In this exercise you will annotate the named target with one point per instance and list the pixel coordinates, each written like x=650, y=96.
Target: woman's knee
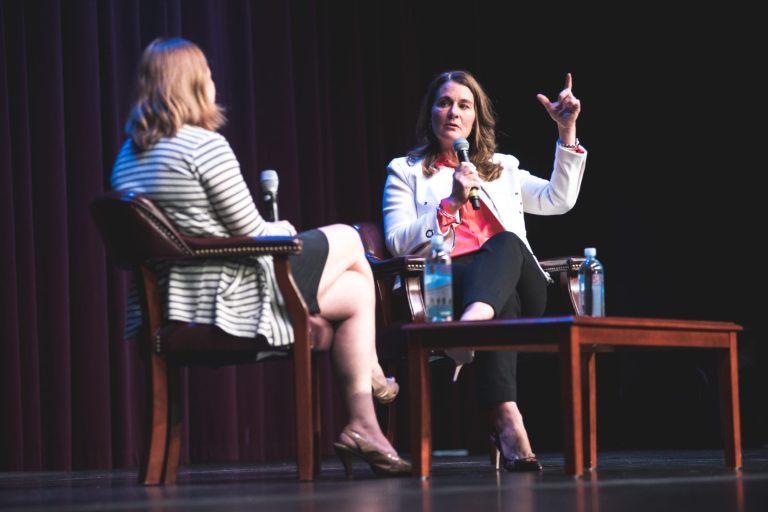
x=346, y=245
x=343, y=236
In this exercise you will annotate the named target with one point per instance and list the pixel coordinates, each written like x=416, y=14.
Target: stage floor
x=649, y=481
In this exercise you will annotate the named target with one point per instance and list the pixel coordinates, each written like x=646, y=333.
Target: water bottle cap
x=590, y=252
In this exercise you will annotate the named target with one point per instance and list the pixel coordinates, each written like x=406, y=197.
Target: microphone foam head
x=460, y=145
x=269, y=180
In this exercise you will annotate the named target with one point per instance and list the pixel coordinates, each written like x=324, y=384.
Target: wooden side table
x=572, y=338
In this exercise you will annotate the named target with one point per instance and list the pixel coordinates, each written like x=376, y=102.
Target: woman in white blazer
x=495, y=273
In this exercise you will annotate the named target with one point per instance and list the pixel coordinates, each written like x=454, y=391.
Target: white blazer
x=411, y=199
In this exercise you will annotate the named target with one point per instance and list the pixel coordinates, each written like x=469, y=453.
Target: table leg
x=420, y=407
x=590, y=455
x=729, y=403
x=570, y=383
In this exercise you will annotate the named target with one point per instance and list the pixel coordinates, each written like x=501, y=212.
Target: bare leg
x=475, y=311
x=346, y=294
x=478, y=311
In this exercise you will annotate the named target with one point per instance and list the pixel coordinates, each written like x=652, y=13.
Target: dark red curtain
x=326, y=93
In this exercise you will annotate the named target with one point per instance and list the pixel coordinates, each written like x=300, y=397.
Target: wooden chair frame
x=137, y=236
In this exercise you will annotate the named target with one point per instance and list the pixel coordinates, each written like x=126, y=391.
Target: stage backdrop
x=326, y=93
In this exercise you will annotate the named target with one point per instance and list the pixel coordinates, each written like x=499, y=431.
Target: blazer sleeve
x=558, y=194
x=408, y=227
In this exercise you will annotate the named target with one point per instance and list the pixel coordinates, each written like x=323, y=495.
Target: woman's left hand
x=566, y=109
x=286, y=226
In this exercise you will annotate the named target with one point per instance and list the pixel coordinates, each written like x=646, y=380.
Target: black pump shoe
x=528, y=464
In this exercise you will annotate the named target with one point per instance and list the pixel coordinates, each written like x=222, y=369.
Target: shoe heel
x=460, y=358
x=495, y=458
x=495, y=453
x=456, y=372
x=346, y=459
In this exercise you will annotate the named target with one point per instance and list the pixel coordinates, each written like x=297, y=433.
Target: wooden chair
x=137, y=235
x=408, y=306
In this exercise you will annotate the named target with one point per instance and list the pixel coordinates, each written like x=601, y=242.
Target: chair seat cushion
x=203, y=344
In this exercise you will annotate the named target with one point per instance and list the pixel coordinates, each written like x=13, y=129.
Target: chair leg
x=316, y=419
x=174, y=427
x=151, y=472
x=303, y=380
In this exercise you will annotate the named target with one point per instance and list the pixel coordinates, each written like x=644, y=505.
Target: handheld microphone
x=269, y=182
x=461, y=147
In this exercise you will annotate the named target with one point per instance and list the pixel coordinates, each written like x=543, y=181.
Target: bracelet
x=569, y=146
x=443, y=212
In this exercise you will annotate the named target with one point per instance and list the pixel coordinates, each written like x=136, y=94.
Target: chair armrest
x=399, y=266
x=562, y=264
x=563, y=297
x=243, y=246
x=235, y=246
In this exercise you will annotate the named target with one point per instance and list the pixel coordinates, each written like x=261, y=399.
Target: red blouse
x=476, y=226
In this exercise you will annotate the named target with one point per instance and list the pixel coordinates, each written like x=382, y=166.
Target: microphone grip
x=474, y=198
x=270, y=202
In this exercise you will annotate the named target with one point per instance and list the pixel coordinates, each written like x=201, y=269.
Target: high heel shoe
x=382, y=464
x=385, y=391
x=526, y=464
x=460, y=358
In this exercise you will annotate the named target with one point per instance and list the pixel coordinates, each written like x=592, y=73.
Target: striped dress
x=195, y=178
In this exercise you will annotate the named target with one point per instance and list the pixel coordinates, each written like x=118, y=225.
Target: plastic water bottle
x=591, y=285
x=438, y=283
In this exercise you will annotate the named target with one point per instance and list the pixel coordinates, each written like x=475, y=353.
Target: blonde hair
x=482, y=138
x=171, y=92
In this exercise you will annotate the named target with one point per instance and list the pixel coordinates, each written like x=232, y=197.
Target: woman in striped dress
x=174, y=156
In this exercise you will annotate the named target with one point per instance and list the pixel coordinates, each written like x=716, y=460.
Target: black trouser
x=504, y=275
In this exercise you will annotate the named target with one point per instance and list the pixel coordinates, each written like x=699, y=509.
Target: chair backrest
x=373, y=240
x=392, y=308
x=135, y=230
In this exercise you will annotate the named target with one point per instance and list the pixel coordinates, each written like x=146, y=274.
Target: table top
x=605, y=321
x=549, y=334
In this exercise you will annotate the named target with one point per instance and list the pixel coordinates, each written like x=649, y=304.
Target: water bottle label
x=438, y=293
x=591, y=292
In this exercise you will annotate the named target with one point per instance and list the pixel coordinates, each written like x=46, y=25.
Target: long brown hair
x=171, y=92
x=482, y=138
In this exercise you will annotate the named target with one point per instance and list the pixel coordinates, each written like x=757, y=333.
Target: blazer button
x=429, y=233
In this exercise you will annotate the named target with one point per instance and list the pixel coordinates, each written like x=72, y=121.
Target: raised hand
x=566, y=109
